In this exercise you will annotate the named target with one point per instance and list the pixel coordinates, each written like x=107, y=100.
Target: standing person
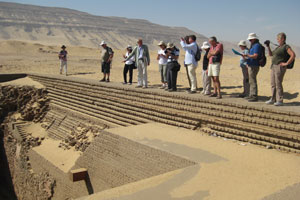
x=106, y=58
x=283, y=56
x=186, y=39
x=63, y=59
x=129, y=66
x=172, y=66
x=190, y=60
x=253, y=65
x=215, y=56
x=206, y=80
x=243, y=64
x=162, y=64
x=142, y=60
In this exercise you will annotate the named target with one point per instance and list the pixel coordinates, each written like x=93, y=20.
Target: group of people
x=250, y=62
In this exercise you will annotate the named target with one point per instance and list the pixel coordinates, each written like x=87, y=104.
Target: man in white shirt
x=190, y=53
x=162, y=63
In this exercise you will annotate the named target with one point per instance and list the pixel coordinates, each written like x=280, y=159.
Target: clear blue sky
x=229, y=20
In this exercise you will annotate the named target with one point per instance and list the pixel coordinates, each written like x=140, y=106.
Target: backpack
x=290, y=66
x=262, y=57
x=198, y=54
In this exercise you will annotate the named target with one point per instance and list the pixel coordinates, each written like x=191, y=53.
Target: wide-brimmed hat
x=102, y=43
x=161, y=43
x=205, y=45
x=252, y=36
x=242, y=43
x=170, y=45
x=63, y=47
x=129, y=47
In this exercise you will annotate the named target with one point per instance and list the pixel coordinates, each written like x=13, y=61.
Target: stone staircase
x=115, y=105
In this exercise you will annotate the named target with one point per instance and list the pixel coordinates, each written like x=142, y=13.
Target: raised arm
x=131, y=54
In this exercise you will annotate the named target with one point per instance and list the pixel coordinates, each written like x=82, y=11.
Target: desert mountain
x=51, y=25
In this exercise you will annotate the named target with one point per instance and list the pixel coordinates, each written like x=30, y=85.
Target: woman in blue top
x=253, y=65
x=243, y=64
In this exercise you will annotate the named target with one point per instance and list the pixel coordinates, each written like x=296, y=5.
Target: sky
x=228, y=20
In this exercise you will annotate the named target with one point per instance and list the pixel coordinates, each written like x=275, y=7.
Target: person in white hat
x=206, y=80
x=142, y=60
x=106, y=58
x=253, y=65
x=243, y=64
x=129, y=66
x=162, y=63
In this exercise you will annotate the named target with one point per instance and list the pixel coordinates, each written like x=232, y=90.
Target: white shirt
x=162, y=60
x=141, y=51
x=131, y=60
x=190, y=52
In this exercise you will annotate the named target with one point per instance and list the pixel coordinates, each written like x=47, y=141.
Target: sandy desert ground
x=22, y=57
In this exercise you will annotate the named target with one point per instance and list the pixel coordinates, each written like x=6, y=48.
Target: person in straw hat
x=63, y=59
x=206, y=80
x=243, y=64
x=129, y=66
x=162, y=63
x=142, y=60
x=253, y=65
x=172, y=52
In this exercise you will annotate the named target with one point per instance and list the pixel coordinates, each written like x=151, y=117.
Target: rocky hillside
x=65, y=26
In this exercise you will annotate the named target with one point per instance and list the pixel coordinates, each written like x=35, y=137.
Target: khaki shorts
x=214, y=69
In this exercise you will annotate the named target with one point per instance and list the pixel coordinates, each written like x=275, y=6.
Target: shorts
x=214, y=69
x=105, y=68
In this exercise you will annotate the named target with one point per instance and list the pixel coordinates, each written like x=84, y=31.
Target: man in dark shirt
x=106, y=58
x=206, y=80
x=63, y=59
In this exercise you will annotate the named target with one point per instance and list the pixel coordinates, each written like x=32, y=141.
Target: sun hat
x=170, y=45
x=129, y=47
x=205, y=45
x=252, y=36
x=242, y=43
x=63, y=47
x=102, y=43
x=161, y=43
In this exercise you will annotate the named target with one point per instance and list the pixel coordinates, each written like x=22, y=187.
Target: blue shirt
x=190, y=52
x=243, y=62
x=256, y=48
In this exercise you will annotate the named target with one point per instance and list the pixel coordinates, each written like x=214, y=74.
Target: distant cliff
x=65, y=26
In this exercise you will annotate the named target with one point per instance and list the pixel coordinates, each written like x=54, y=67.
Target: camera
x=169, y=51
x=267, y=42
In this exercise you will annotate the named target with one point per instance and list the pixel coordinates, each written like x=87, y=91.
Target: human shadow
x=231, y=87
x=88, y=184
x=290, y=96
x=81, y=73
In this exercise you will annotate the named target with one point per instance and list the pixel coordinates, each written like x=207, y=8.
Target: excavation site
x=66, y=138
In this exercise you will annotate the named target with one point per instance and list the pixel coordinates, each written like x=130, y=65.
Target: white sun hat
x=129, y=47
x=102, y=43
x=252, y=36
x=205, y=45
x=242, y=43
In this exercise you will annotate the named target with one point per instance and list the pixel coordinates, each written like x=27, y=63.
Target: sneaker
x=213, y=95
x=138, y=86
x=270, y=102
x=163, y=86
x=107, y=80
x=202, y=92
x=124, y=83
x=144, y=87
x=102, y=80
x=278, y=103
x=129, y=83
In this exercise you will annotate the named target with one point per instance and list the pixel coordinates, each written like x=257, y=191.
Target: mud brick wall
x=64, y=188
x=113, y=161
